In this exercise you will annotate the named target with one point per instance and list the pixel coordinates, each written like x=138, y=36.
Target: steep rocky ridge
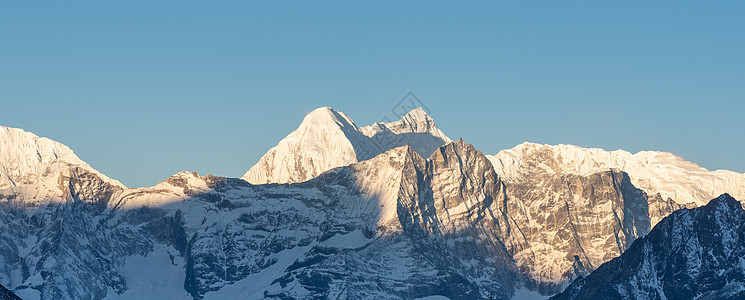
x=691, y=254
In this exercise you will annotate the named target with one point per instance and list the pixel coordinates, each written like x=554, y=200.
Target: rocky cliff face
x=691, y=254
x=563, y=226
x=447, y=205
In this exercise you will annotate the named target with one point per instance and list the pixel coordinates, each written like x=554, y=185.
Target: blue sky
x=143, y=90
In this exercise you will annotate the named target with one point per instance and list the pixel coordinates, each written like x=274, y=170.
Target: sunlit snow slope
x=327, y=139
x=36, y=170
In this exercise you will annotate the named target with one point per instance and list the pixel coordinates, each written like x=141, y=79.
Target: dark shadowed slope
x=6, y=294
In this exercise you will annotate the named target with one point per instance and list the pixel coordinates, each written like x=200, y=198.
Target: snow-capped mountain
x=652, y=171
x=327, y=139
x=374, y=229
x=448, y=223
x=694, y=253
x=391, y=210
x=35, y=171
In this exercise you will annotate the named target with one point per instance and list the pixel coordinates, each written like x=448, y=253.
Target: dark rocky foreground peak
x=6, y=294
x=694, y=253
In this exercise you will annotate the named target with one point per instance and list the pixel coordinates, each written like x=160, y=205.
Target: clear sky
x=142, y=90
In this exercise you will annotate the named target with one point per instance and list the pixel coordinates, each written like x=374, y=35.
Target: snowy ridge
x=36, y=170
x=327, y=139
x=652, y=171
x=415, y=129
x=174, y=190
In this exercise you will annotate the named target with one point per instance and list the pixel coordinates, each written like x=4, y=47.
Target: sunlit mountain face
x=392, y=210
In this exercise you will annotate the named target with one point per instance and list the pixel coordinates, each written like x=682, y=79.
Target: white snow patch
x=159, y=275
x=28, y=294
x=526, y=294
x=437, y=297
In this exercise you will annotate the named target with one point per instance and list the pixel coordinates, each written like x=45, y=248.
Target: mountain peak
x=42, y=170
x=725, y=201
x=327, y=115
x=463, y=155
x=418, y=115
x=327, y=139
x=193, y=181
x=459, y=146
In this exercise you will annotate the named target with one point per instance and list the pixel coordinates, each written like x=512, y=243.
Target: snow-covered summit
x=324, y=115
x=416, y=129
x=26, y=157
x=416, y=120
x=652, y=171
x=36, y=169
x=327, y=139
x=324, y=140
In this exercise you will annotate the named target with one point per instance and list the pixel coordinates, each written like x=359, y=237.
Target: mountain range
x=391, y=210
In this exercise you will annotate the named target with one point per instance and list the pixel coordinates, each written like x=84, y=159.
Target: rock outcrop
x=691, y=254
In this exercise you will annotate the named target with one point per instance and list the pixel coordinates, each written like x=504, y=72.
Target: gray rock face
x=447, y=205
x=660, y=208
x=564, y=226
x=691, y=254
x=78, y=184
